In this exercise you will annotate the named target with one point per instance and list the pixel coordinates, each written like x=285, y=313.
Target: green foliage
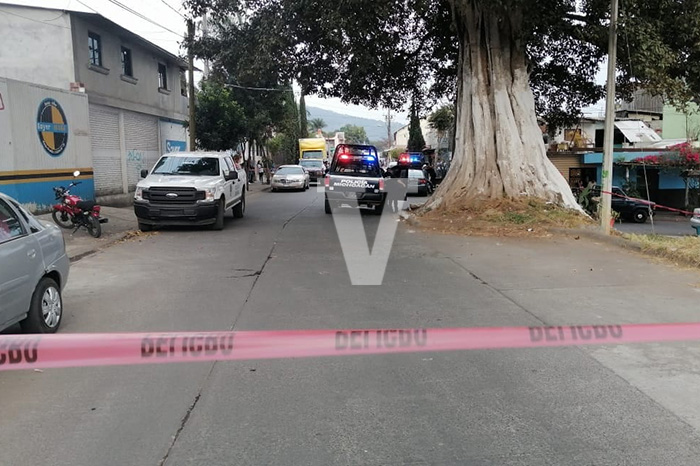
x=220, y=120
x=315, y=124
x=395, y=153
x=585, y=200
x=416, y=143
x=384, y=52
x=354, y=134
x=442, y=119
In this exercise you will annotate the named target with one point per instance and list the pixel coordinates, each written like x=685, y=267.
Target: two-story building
x=136, y=91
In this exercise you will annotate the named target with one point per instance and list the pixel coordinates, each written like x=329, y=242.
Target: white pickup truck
x=190, y=188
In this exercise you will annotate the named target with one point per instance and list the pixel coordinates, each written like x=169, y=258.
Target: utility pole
x=606, y=198
x=388, y=128
x=205, y=33
x=190, y=81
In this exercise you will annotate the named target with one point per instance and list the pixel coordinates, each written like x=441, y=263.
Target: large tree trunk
x=499, y=150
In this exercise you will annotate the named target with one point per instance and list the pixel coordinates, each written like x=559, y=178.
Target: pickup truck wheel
x=239, y=208
x=327, y=207
x=145, y=227
x=46, y=308
x=640, y=216
x=219, y=224
x=378, y=209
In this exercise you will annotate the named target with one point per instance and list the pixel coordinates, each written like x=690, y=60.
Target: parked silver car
x=33, y=270
x=290, y=177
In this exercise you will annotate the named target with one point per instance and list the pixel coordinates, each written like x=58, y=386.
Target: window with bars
x=95, y=49
x=162, y=76
x=127, y=68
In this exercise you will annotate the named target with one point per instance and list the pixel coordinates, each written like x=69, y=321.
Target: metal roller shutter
x=106, y=154
x=142, y=151
x=564, y=162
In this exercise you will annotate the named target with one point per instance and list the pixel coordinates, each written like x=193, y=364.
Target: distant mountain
x=375, y=129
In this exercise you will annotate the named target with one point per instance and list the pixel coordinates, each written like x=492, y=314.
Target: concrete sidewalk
x=122, y=222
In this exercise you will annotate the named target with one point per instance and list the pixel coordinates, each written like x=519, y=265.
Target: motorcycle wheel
x=93, y=227
x=62, y=219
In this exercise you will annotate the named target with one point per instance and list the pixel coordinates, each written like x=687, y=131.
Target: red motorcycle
x=73, y=212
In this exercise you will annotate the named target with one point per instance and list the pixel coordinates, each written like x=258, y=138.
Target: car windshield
x=417, y=174
x=189, y=166
x=312, y=154
x=311, y=163
x=290, y=171
x=357, y=165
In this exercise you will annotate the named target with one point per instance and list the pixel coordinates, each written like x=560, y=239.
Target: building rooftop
x=91, y=15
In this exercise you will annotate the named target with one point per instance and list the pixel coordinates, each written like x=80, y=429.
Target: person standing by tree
x=251, y=171
x=260, y=171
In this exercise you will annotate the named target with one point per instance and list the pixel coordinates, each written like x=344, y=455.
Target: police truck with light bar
x=355, y=179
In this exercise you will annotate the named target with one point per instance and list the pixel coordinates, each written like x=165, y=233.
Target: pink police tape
x=103, y=349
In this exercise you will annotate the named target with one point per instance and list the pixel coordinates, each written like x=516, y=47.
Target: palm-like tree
x=315, y=124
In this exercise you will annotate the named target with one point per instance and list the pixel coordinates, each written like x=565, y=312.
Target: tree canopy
x=379, y=52
x=416, y=142
x=315, y=124
x=502, y=62
x=354, y=134
x=220, y=121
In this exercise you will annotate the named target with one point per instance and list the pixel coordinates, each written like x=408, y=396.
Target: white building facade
x=136, y=91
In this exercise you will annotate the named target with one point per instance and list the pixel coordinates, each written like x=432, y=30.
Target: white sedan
x=290, y=177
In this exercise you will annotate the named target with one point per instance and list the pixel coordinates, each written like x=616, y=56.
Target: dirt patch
x=502, y=217
x=683, y=249
x=137, y=235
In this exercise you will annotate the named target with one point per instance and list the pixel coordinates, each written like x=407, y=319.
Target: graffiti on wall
x=136, y=158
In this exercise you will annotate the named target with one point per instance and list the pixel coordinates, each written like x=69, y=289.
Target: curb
x=118, y=237
x=623, y=244
x=598, y=236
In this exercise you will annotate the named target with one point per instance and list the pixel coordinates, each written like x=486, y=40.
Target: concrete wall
x=108, y=87
x=37, y=154
x=36, y=46
x=429, y=134
x=679, y=125
x=173, y=136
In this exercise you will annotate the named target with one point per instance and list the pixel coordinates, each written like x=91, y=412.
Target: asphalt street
x=281, y=267
x=664, y=223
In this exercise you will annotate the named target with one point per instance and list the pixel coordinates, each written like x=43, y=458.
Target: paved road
x=664, y=224
x=280, y=268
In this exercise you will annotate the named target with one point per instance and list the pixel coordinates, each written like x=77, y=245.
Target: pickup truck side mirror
x=144, y=173
x=232, y=175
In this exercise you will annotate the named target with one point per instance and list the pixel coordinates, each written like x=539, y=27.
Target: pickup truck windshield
x=187, y=166
x=311, y=163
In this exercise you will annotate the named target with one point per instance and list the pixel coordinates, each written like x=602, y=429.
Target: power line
x=88, y=7
x=35, y=20
x=171, y=7
x=145, y=18
x=259, y=88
